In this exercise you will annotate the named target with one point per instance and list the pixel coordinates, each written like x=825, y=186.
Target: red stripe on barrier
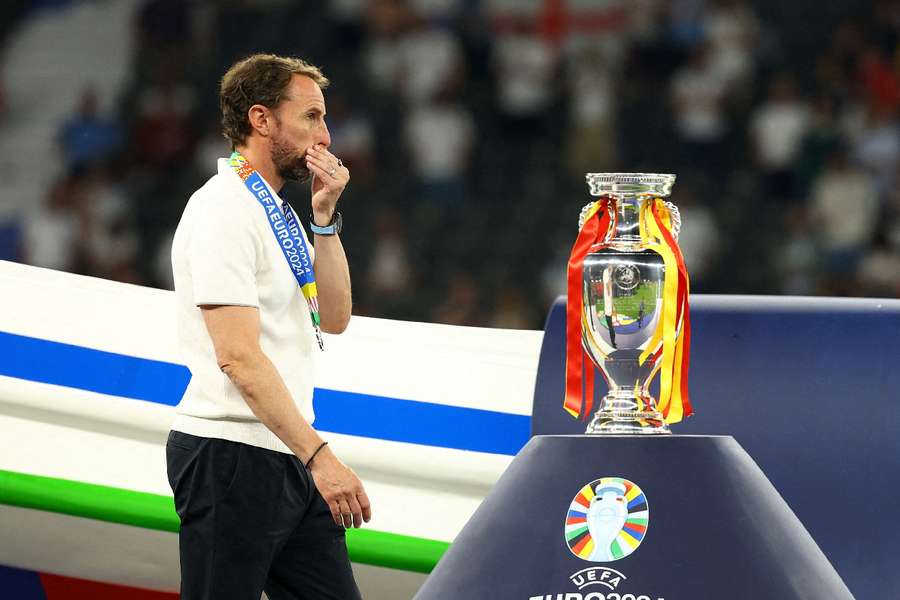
x=58, y=587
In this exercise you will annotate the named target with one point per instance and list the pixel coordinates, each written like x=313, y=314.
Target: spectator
x=879, y=80
x=439, y=138
x=352, y=137
x=844, y=213
x=686, y=22
x=512, y=310
x=524, y=68
x=877, y=146
x=111, y=242
x=698, y=97
x=390, y=276
x=699, y=238
x=86, y=137
x=553, y=282
x=54, y=232
x=778, y=128
x=731, y=31
x=387, y=22
x=796, y=256
x=163, y=134
x=821, y=139
x=883, y=25
x=460, y=303
x=211, y=147
x=591, y=135
x=11, y=232
x=164, y=31
x=431, y=63
x=832, y=81
x=879, y=269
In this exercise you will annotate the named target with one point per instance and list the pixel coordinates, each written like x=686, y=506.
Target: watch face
x=338, y=222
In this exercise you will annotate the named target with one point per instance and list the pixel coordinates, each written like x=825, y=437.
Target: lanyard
x=288, y=235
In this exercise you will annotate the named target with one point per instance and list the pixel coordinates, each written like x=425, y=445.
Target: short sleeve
x=223, y=254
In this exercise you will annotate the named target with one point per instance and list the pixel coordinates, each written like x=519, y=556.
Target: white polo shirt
x=224, y=252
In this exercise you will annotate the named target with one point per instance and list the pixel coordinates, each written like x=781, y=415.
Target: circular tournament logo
x=607, y=520
x=627, y=277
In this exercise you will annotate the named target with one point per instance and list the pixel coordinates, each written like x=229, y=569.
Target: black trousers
x=253, y=520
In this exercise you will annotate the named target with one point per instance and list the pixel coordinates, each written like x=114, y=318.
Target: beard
x=288, y=163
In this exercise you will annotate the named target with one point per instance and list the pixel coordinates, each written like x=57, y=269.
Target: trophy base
x=619, y=415
x=619, y=424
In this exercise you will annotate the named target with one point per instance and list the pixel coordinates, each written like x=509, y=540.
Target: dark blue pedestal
x=809, y=387
x=714, y=527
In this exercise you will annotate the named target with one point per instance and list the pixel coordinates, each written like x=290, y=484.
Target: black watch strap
x=334, y=227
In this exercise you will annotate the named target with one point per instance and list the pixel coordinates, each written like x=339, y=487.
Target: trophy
x=627, y=311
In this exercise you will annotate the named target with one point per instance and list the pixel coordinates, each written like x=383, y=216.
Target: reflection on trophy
x=628, y=307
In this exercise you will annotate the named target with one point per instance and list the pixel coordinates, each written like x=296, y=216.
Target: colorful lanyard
x=287, y=234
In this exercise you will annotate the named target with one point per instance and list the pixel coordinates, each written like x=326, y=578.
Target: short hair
x=258, y=79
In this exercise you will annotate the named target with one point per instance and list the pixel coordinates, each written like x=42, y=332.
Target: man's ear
x=260, y=119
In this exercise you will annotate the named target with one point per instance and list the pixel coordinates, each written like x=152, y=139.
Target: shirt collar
x=225, y=169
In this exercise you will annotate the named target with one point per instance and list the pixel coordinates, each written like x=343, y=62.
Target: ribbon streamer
x=669, y=347
x=655, y=225
x=598, y=223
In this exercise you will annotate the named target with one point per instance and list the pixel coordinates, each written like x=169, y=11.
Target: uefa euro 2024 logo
x=607, y=520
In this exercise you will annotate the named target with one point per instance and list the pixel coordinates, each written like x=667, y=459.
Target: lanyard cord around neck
x=287, y=233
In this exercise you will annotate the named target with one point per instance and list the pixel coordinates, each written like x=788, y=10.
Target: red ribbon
x=580, y=390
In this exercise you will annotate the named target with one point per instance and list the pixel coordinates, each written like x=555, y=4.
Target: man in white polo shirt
x=263, y=501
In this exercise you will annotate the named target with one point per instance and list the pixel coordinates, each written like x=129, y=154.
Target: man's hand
x=330, y=177
x=341, y=489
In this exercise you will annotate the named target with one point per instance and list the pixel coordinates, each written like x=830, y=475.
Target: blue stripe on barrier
x=420, y=422
x=92, y=370
x=341, y=412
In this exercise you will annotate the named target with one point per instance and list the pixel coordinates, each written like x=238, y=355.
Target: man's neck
x=261, y=159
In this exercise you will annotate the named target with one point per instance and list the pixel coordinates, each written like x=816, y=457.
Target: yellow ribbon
x=591, y=212
x=670, y=403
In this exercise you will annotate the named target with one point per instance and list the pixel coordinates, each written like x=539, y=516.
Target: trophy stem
x=621, y=413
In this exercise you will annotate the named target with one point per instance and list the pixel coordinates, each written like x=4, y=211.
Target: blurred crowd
x=468, y=127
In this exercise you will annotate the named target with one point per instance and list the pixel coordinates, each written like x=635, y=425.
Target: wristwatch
x=332, y=228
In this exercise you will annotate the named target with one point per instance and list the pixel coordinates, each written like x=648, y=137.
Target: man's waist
x=245, y=431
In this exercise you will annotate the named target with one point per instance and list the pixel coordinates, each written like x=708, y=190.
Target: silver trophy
x=623, y=302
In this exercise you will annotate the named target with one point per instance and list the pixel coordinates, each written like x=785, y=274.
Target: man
x=263, y=501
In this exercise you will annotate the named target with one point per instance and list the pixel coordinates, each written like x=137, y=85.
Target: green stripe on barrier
x=152, y=511
x=115, y=505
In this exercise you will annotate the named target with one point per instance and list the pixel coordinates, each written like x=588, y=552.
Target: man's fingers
x=346, y=514
x=334, y=183
x=318, y=150
x=320, y=162
x=319, y=171
x=356, y=511
x=365, y=505
x=335, y=512
x=326, y=164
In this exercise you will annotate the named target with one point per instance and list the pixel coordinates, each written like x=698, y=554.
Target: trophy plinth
x=622, y=304
x=721, y=531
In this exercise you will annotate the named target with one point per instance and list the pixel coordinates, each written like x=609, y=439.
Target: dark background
x=468, y=127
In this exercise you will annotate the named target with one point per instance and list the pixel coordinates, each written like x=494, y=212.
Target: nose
x=324, y=135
